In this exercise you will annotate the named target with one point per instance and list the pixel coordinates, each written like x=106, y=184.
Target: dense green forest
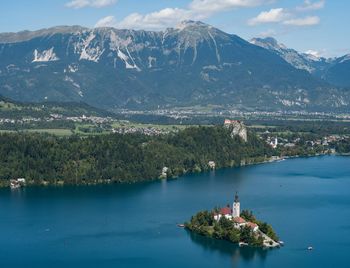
x=122, y=158
x=342, y=147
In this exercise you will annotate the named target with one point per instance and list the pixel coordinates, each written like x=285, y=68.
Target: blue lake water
x=307, y=200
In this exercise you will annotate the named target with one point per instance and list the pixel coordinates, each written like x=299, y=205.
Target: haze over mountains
x=192, y=64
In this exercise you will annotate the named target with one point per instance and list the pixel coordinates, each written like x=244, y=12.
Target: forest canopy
x=123, y=158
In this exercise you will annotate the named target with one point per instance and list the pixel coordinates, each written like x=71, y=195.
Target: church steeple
x=236, y=208
x=236, y=198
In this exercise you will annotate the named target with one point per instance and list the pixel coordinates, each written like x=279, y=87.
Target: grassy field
x=58, y=132
x=139, y=125
x=260, y=126
x=78, y=126
x=7, y=131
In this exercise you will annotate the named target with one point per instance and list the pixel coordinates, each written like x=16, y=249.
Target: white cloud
x=307, y=21
x=212, y=6
x=309, y=5
x=202, y=9
x=273, y=15
x=168, y=17
x=90, y=3
x=108, y=21
x=161, y=19
x=289, y=17
x=314, y=53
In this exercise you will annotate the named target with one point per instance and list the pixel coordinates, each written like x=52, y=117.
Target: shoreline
x=266, y=245
x=6, y=184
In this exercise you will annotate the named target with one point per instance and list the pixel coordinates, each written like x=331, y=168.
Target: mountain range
x=335, y=71
x=191, y=64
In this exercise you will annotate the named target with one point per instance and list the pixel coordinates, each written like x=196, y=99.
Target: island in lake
x=235, y=226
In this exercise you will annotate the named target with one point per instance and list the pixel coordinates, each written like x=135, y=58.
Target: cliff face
x=237, y=128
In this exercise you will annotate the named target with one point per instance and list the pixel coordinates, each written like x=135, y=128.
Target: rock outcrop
x=237, y=128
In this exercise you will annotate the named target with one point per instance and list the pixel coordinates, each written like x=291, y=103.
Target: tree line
x=122, y=158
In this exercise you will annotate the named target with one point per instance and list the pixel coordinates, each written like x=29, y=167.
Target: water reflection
x=18, y=193
x=224, y=248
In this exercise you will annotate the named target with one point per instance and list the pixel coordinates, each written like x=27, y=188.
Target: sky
x=319, y=27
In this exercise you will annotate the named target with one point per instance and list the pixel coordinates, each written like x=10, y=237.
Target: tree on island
x=203, y=224
x=263, y=226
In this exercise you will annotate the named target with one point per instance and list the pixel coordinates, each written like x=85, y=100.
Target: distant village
x=113, y=125
x=103, y=123
x=274, y=141
x=187, y=112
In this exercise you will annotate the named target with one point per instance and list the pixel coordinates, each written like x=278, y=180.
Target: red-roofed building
x=239, y=220
x=229, y=122
x=226, y=211
x=223, y=212
x=253, y=226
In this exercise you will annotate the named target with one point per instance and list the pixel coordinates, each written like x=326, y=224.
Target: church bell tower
x=236, y=208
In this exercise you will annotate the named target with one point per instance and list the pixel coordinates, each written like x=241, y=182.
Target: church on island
x=234, y=215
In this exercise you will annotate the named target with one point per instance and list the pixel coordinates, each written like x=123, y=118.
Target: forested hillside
x=122, y=158
x=14, y=110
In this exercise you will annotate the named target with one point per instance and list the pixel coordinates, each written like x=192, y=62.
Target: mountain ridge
x=193, y=64
x=324, y=68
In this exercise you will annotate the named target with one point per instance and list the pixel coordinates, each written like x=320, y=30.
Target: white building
x=164, y=173
x=21, y=180
x=236, y=207
x=223, y=212
x=211, y=164
x=17, y=183
x=274, y=143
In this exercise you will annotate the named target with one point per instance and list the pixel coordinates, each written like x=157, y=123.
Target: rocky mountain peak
x=28, y=35
x=190, y=23
x=268, y=42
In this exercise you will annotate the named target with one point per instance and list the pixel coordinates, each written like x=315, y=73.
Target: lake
x=307, y=200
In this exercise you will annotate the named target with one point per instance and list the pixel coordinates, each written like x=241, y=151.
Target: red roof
x=225, y=211
x=238, y=220
x=228, y=121
x=252, y=225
